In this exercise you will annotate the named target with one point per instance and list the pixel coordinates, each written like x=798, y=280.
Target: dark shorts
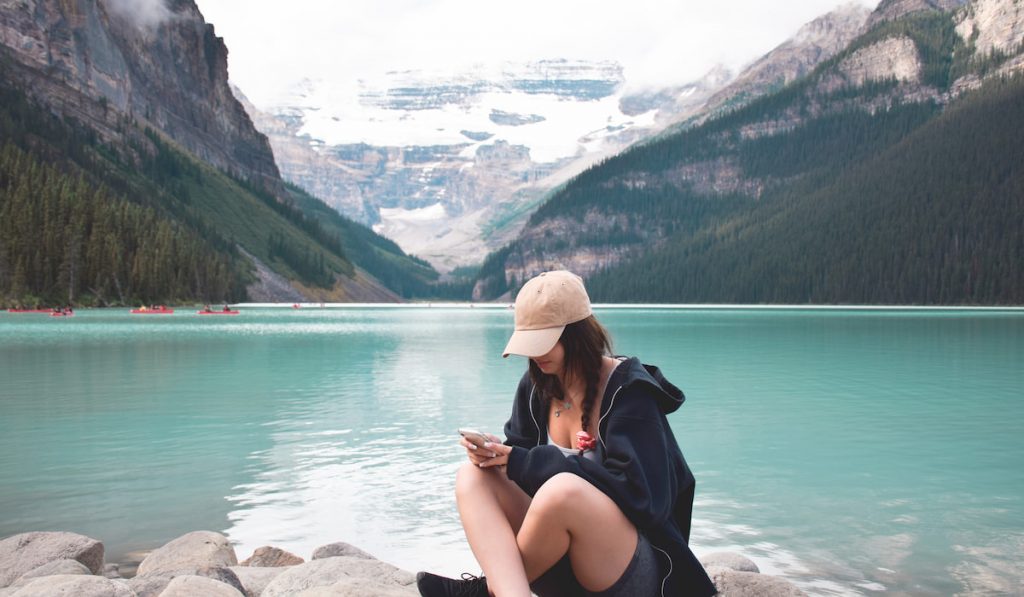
x=641, y=577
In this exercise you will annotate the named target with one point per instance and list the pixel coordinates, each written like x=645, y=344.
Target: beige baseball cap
x=544, y=306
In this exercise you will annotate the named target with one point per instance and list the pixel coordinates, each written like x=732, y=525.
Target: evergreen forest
x=86, y=220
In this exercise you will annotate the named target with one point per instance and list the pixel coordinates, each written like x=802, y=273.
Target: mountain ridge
x=679, y=188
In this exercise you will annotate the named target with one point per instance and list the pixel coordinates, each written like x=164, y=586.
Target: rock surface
x=148, y=586
x=162, y=65
x=993, y=25
x=190, y=586
x=728, y=559
x=75, y=585
x=733, y=583
x=192, y=551
x=54, y=568
x=341, y=548
x=359, y=587
x=22, y=553
x=892, y=58
x=330, y=571
x=254, y=579
x=737, y=576
x=270, y=557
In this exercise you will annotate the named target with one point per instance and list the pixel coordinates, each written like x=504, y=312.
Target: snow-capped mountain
x=450, y=165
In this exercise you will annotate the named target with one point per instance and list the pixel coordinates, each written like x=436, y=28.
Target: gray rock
x=54, y=568
x=112, y=571
x=270, y=557
x=191, y=586
x=22, y=553
x=255, y=579
x=148, y=586
x=333, y=550
x=328, y=571
x=731, y=583
x=193, y=551
x=359, y=587
x=221, y=574
x=73, y=585
x=153, y=585
x=730, y=560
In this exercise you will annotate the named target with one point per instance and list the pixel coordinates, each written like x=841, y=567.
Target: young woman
x=590, y=493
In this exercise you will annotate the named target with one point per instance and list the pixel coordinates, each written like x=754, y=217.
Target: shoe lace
x=472, y=585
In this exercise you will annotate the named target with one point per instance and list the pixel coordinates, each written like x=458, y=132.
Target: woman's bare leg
x=492, y=509
x=568, y=514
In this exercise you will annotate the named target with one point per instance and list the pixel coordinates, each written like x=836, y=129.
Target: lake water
x=850, y=451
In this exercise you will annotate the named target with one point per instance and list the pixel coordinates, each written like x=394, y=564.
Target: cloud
x=146, y=14
x=658, y=42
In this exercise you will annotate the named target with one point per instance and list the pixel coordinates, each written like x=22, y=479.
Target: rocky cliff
x=157, y=63
x=993, y=26
x=813, y=44
x=889, y=10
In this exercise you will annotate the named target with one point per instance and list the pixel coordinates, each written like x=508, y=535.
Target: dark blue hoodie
x=641, y=467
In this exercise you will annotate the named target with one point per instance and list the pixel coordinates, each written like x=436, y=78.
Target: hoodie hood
x=632, y=371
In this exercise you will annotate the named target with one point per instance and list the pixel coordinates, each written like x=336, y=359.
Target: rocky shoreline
x=204, y=563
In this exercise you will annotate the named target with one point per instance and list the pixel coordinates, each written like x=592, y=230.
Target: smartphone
x=474, y=437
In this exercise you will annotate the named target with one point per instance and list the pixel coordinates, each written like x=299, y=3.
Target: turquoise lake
x=850, y=451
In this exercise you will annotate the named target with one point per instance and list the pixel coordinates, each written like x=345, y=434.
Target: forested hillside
x=131, y=174
x=934, y=219
x=890, y=174
x=84, y=221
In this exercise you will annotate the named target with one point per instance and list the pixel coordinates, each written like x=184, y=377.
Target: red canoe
x=60, y=314
x=163, y=311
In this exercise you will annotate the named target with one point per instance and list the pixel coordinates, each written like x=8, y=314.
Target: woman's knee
x=471, y=480
x=562, y=491
x=468, y=478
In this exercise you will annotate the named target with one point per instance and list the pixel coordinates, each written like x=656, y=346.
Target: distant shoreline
x=597, y=306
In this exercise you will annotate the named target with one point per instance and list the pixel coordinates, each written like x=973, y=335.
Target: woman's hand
x=492, y=453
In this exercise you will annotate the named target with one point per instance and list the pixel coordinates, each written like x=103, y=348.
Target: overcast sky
x=273, y=44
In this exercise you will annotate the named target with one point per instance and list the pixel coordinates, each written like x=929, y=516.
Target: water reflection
x=369, y=456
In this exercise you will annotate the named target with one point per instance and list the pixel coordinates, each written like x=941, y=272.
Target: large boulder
x=191, y=586
x=333, y=550
x=73, y=585
x=254, y=578
x=54, y=568
x=732, y=583
x=359, y=587
x=270, y=557
x=730, y=560
x=327, y=572
x=21, y=553
x=190, y=552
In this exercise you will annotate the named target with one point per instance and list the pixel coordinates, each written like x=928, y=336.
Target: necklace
x=566, y=405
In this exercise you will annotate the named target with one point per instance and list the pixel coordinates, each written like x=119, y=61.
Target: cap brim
x=533, y=343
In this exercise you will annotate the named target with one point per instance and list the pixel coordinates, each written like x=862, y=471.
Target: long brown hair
x=584, y=342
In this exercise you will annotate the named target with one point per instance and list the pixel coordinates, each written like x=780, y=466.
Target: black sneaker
x=432, y=585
